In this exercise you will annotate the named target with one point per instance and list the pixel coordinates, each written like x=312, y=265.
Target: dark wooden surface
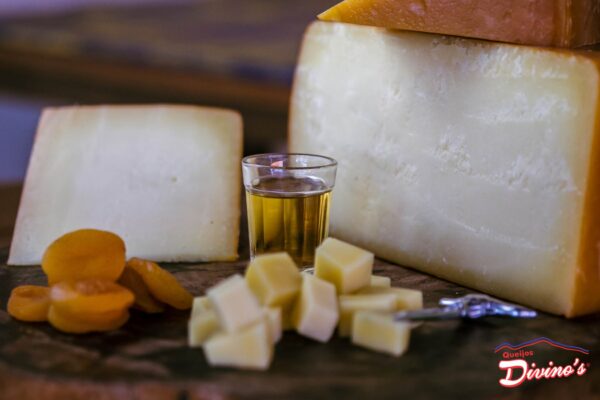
x=148, y=357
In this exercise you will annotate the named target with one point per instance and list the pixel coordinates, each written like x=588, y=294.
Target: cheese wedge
x=379, y=332
x=473, y=161
x=535, y=22
x=166, y=178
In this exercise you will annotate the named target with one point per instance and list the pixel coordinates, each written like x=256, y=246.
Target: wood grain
x=148, y=358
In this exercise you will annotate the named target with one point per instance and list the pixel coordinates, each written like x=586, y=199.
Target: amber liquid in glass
x=288, y=214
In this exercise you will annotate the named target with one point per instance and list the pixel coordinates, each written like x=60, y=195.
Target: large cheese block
x=473, y=161
x=165, y=178
x=535, y=22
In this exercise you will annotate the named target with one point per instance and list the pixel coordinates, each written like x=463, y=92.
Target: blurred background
x=229, y=53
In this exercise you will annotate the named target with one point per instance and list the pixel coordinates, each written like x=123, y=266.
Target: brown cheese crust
x=561, y=23
x=586, y=293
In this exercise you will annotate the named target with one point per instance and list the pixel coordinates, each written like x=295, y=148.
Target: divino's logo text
x=517, y=368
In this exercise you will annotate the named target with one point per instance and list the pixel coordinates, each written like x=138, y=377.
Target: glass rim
x=330, y=161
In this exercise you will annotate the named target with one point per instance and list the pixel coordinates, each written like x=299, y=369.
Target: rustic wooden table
x=148, y=357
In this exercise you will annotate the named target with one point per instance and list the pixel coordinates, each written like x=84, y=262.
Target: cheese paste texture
x=473, y=161
x=165, y=178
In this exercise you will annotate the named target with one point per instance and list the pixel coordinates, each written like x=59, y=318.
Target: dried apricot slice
x=69, y=324
x=162, y=284
x=91, y=296
x=29, y=303
x=143, y=298
x=84, y=254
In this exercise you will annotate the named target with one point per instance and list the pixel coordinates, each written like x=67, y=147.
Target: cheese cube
x=250, y=348
x=201, y=326
x=234, y=303
x=380, y=281
x=346, y=266
x=274, y=279
x=350, y=304
x=406, y=299
x=474, y=161
x=379, y=332
x=200, y=305
x=273, y=315
x=165, y=178
x=316, y=311
x=541, y=22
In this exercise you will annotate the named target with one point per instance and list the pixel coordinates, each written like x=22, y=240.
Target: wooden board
x=148, y=357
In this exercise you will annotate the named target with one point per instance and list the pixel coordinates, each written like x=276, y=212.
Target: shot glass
x=288, y=199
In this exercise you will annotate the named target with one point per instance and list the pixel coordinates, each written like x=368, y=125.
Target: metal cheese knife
x=471, y=306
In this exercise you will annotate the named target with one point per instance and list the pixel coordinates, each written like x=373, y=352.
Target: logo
x=538, y=359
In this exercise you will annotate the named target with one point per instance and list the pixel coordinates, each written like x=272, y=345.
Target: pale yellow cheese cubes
x=201, y=326
x=235, y=304
x=346, y=266
x=274, y=279
x=203, y=321
x=315, y=313
x=273, y=315
x=406, y=299
x=380, y=281
x=249, y=348
x=350, y=304
x=200, y=305
x=379, y=332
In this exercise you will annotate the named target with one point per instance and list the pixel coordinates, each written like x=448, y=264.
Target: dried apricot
x=84, y=254
x=29, y=303
x=162, y=284
x=91, y=296
x=143, y=298
x=68, y=323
